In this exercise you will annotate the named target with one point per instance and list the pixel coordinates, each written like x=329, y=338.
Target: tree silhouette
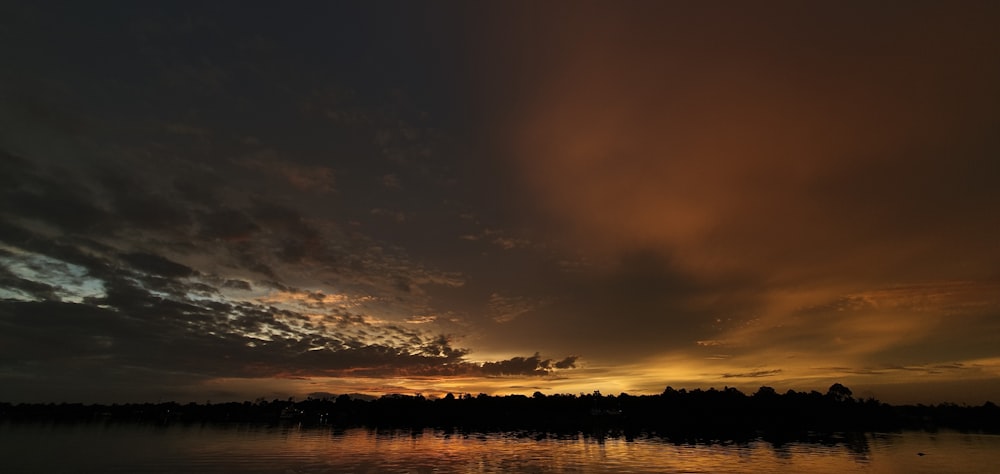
x=839, y=393
x=695, y=415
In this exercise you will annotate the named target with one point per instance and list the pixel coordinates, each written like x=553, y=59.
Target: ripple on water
x=291, y=449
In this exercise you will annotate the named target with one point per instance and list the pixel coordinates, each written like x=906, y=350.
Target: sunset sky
x=231, y=200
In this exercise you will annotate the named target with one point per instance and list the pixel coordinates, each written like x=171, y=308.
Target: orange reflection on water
x=242, y=448
x=434, y=450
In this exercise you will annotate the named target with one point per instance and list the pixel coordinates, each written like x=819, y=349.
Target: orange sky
x=824, y=173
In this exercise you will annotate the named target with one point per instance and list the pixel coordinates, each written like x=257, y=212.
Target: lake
x=96, y=447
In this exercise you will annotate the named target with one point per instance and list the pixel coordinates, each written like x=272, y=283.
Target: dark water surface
x=292, y=449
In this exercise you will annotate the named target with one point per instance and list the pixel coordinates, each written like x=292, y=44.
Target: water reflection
x=210, y=448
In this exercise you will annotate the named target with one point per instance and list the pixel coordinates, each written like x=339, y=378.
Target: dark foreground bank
x=727, y=413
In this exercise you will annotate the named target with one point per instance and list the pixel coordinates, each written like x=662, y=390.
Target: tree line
x=713, y=414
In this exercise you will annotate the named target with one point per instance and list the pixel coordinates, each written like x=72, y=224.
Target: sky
x=232, y=200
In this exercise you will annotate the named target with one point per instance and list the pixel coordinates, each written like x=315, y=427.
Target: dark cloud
x=304, y=178
x=567, y=363
x=149, y=303
x=228, y=225
x=151, y=212
x=641, y=297
x=134, y=328
x=50, y=196
x=157, y=265
x=238, y=285
x=754, y=374
x=533, y=365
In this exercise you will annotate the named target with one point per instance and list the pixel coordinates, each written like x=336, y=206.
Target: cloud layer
x=343, y=198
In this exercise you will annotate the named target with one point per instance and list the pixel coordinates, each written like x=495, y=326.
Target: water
x=292, y=449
